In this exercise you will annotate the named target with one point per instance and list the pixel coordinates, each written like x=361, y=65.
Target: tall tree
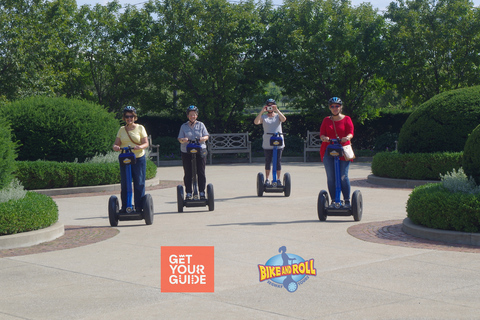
x=213, y=58
x=434, y=46
x=328, y=48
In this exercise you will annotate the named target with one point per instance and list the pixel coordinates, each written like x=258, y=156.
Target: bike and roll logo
x=287, y=270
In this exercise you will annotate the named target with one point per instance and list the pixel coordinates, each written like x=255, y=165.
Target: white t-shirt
x=271, y=125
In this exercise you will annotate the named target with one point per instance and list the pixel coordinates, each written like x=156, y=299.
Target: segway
x=276, y=140
x=194, y=148
x=338, y=208
x=127, y=158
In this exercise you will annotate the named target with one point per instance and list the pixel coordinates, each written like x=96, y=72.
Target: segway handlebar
x=126, y=149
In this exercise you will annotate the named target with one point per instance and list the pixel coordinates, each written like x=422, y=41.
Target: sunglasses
x=335, y=107
x=128, y=117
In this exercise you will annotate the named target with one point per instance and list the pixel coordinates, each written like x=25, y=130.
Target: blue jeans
x=328, y=162
x=139, y=171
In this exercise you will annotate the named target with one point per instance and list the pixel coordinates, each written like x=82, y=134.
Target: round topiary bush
x=471, y=155
x=434, y=206
x=34, y=211
x=441, y=124
x=7, y=156
x=60, y=129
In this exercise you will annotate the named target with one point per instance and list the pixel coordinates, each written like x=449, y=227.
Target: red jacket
x=344, y=127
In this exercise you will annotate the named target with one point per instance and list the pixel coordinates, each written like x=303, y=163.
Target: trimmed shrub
x=7, y=156
x=433, y=206
x=297, y=125
x=169, y=148
x=60, y=129
x=50, y=174
x=417, y=166
x=443, y=123
x=471, y=155
x=34, y=211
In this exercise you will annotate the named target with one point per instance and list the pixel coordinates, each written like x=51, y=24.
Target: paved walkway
x=357, y=278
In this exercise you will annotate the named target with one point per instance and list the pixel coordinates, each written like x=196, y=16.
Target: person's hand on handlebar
x=324, y=138
x=183, y=140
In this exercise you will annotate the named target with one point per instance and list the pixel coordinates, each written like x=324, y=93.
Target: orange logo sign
x=187, y=269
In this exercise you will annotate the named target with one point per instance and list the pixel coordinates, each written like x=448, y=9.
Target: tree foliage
x=328, y=48
x=433, y=46
x=220, y=56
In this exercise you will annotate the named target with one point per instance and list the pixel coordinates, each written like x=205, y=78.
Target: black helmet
x=192, y=108
x=129, y=109
x=270, y=101
x=335, y=100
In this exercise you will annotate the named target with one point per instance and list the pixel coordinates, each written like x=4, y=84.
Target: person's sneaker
x=188, y=196
x=202, y=195
x=347, y=204
x=279, y=183
x=267, y=182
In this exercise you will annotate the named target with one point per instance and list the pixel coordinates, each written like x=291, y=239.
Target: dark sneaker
x=188, y=196
x=347, y=205
x=202, y=195
x=267, y=182
x=279, y=183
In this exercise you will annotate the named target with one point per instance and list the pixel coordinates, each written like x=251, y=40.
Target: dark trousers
x=269, y=157
x=187, y=169
x=139, y=171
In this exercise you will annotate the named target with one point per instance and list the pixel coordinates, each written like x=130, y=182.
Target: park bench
x=219, y=143
x=312, y=143
x=153, y=150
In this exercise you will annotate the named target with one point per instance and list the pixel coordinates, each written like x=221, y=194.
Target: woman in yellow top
x=135, y=135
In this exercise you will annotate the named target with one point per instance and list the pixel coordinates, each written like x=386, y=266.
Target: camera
x=269, y=108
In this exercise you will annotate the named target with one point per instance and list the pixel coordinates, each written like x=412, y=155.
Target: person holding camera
x=272, y=123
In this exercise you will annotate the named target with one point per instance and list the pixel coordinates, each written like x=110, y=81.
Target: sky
x=380, y=4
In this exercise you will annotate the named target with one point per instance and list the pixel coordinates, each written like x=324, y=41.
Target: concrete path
x=119, y=278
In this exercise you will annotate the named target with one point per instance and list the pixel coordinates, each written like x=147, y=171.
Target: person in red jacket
x=336, y=126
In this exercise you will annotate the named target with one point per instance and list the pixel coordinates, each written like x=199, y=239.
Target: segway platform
x=276, y=140
x=127, y=158
x=337, y=207
x=195, y=148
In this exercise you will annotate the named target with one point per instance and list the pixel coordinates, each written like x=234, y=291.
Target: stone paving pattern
x=360, y=275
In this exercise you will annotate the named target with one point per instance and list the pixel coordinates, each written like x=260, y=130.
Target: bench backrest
x=228, y=141
x=313, y=139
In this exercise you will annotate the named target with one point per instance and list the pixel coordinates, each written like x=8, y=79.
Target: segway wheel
x=287, y=184
x=260, y=184
x=322, y=205
x=147, y=203
x=210, y=197
x=357, y=205
x=113, y=211
x=180, y=198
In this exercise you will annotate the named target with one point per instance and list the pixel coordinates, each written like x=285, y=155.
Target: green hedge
x=7, y=156
x=471, y=158
x=443, y=123
x=297, y=125
x=416, y=166
x=50, y=174
x=434, y=206
x=34, y=211
x=60, y=129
